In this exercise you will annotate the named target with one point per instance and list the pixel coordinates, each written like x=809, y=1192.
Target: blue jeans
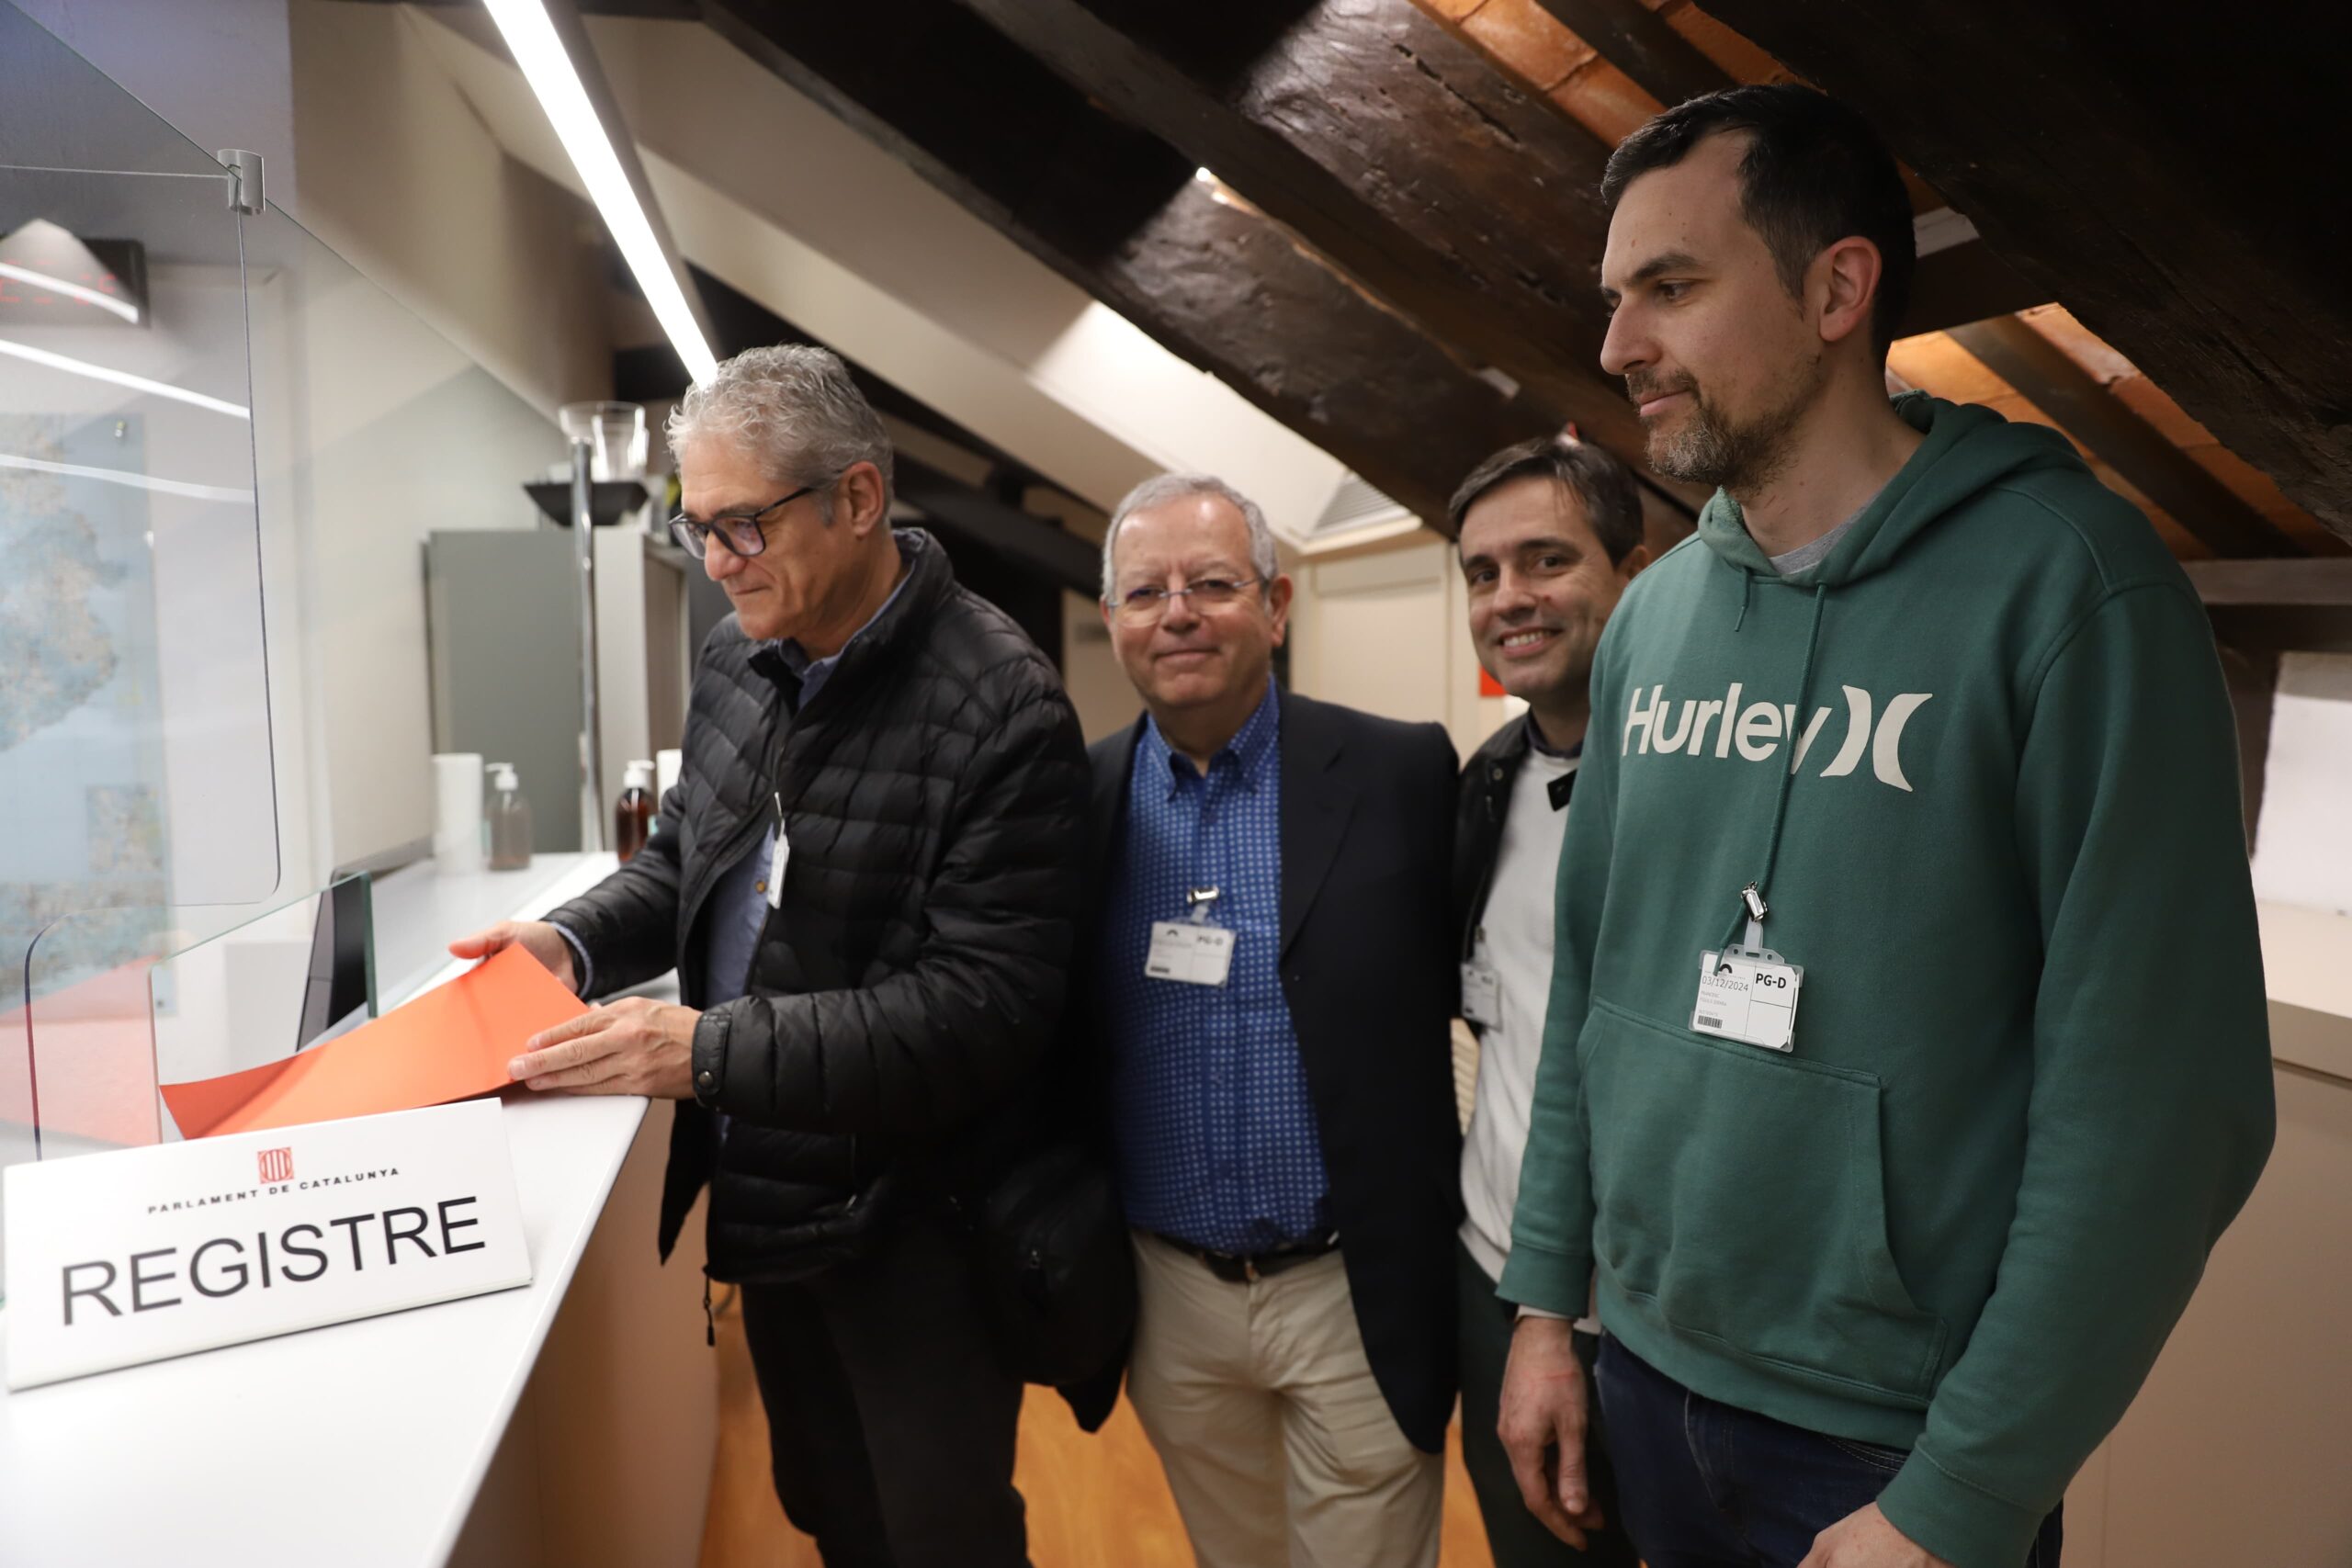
x=1707, y=1485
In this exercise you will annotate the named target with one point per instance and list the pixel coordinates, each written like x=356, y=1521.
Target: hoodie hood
x=1969, y=448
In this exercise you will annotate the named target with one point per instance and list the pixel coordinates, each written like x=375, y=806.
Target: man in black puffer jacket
x=866, y=878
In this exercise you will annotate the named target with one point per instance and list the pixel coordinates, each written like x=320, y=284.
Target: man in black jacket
x=864, y=880
x=1269, y=970
x=1550, y=535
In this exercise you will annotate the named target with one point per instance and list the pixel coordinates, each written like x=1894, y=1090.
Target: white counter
x=365, y=1443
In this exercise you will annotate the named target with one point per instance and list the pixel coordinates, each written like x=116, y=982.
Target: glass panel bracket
x=245, y=191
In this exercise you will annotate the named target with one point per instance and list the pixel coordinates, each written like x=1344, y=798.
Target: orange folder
x=453, y=1042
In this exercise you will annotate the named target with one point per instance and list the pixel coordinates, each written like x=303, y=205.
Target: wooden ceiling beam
x=1955, y=283
x=2277, y=606
x=1118, y=213
x=2049, y=378
x=1031, y=542
x=2179, y=198
x=1388, y=144
x=1965, y=283
x=1641, y=43
x=647, y=10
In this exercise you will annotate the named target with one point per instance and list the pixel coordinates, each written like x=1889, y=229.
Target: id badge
x=779, y=858
x=1193, y=952
x=1482, y=995
x=1748, y=994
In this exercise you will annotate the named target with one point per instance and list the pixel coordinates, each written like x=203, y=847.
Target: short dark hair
x=1815, y=172
x=1594, y=475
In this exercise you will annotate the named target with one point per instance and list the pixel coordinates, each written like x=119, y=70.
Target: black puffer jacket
x=903, y=995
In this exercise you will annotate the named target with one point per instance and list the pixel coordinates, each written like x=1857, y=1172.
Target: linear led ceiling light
x=531, y=36
x=73, y=366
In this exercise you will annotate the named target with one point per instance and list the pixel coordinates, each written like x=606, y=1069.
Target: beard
x=1711, y=447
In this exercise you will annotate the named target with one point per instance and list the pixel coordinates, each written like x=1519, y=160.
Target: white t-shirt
x=1515, y=938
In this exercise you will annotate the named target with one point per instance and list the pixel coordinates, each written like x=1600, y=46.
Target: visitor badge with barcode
x=1192, y=952
x=1749, y=995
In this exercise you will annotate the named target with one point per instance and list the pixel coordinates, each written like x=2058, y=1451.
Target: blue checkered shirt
x=1216, y=1136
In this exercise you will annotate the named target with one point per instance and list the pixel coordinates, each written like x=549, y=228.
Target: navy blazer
x=1368, y=971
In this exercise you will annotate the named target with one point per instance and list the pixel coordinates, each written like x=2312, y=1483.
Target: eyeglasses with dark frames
x=742, y=530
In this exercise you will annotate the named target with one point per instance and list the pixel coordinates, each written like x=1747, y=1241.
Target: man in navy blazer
x=1266, y=970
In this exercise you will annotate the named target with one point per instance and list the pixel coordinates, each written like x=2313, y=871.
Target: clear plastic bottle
x=510, y=821
x=633, y=816
x=489, y=771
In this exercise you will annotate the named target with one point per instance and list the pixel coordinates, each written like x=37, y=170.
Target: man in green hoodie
x=1906, y=1049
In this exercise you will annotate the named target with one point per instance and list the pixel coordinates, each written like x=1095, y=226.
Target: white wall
x=1388, y=630
x=390, y=432
x=402, y=179
x=2247, y=1400
x=1098, y=685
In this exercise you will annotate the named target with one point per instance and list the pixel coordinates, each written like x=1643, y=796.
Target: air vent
x=1357, y=504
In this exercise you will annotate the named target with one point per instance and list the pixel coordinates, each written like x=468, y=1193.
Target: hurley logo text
x=1720, y=726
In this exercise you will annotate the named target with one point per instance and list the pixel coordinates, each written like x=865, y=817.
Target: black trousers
x=890, y=1426
x=1516, y=1538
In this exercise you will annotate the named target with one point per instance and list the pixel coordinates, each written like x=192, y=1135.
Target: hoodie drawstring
x=1747, y=587
x=1788, y=776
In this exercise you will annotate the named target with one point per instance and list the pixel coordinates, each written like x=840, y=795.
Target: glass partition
x=59, y=111
x=135, y=762
x=126, y=1002
x=134, y=728
x=220, y=447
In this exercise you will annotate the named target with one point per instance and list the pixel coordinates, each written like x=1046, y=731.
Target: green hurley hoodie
x=1982, y=766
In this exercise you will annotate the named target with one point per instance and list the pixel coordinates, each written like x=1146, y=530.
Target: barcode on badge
x=1711, y=1022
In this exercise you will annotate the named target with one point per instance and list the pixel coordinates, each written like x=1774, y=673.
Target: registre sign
x=140, y=1254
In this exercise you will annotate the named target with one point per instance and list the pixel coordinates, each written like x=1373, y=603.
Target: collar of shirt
x=812, y=672
x=1250, y=752
x=1535, y=742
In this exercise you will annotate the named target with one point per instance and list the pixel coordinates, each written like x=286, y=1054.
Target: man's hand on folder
x=634, y=1047
x=537, y=938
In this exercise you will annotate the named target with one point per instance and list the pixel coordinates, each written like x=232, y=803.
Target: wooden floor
x=1094, y=1502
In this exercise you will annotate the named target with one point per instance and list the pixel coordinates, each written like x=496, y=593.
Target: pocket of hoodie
x=1741, y=1193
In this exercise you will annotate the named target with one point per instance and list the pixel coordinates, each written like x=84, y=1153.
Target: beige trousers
x=1278, y=1445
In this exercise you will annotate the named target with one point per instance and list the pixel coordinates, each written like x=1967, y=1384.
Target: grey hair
x=1166, y=488
x=792, y=408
